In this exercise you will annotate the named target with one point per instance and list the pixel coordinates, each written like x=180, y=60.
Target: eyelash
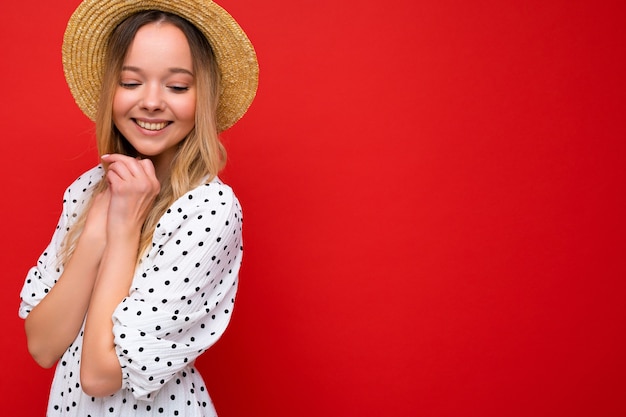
x=175, y=88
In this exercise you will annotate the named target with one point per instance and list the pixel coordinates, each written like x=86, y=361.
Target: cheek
x=187, y=109
x=120, y=105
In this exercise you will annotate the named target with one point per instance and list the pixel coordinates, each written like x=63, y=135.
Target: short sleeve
x=42, y=277
x=183, y=291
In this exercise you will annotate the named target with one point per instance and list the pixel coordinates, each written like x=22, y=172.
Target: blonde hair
x=200, y=155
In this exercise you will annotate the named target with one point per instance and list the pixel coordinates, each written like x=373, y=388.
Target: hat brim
x=91, y=24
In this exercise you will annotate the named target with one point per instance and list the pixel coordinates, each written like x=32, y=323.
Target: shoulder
x=85, y=182
x=207, y=203
x=78, y=194
x=214, y=188
x=211, y=196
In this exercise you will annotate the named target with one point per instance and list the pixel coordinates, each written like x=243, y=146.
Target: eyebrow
x=173, y=70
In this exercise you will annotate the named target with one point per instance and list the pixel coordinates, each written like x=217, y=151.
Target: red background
x=434, y=196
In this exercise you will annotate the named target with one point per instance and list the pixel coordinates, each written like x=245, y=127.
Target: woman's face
x=155, y=101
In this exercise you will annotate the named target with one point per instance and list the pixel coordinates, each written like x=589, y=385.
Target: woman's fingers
x=127, y=173
x=125, y=167
x=148, y=167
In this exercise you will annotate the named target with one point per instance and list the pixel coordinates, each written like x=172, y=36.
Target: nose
x=152, y=99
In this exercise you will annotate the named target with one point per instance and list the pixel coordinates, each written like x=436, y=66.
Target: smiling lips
x=151, y=126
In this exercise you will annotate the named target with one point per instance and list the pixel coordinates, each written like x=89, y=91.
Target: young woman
x=141, y=273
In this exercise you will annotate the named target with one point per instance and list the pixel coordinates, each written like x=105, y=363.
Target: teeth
x=151, y=126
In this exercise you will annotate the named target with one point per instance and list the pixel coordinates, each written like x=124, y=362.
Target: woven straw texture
x=84, y=49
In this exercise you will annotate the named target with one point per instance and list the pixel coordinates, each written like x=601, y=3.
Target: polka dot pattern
x=180, y=302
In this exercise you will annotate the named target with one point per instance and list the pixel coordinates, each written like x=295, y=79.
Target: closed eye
x=129, y=85
x=178, y=89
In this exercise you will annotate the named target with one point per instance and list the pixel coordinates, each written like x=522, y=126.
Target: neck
x=162, y=166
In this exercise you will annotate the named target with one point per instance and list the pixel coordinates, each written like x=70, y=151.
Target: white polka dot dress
x=180, y=302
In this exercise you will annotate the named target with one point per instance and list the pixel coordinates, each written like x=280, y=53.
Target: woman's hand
x=133, y=188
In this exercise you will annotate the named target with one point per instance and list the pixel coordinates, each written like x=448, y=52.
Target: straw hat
x=89, y=28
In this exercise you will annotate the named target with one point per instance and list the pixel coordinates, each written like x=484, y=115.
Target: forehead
x=157, y=44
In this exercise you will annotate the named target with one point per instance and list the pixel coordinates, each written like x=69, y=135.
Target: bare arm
x=134, y=187
x=55, y=322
